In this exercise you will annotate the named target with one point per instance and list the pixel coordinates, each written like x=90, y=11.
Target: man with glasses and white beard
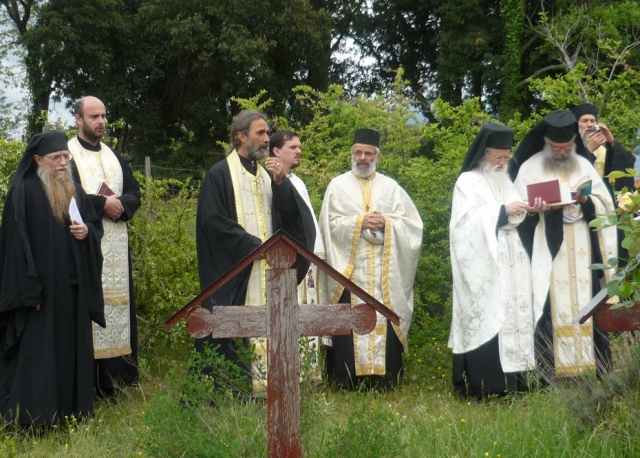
x=492, y=324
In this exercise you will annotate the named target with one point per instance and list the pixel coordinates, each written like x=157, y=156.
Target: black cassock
x=46, y=367
x=121, y=370
x=222, y=242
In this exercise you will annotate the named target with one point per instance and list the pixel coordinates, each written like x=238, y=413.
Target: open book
x=555, y=193
x=582, y=187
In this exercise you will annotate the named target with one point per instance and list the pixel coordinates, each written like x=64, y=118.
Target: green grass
x=420, y=419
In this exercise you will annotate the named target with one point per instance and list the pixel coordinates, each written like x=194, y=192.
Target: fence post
x=147, y=168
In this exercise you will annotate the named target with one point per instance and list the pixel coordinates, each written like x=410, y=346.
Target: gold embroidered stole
x=96, y=167
x=570, y=289
x=370, y=349
x=253, y=199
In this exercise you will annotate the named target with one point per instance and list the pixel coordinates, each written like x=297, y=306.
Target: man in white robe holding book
x=562, y=247
x=493, y=323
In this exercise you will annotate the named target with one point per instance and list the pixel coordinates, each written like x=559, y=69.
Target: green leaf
x=627, y=242
x=625, y=289
x=618, y=174
x=598, y=266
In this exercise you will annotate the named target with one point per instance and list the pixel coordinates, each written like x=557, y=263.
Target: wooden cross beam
x=282, y=321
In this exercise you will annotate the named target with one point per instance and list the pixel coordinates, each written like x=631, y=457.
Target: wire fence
x=159, y=172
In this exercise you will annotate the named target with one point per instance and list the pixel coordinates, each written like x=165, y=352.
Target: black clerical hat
x=367, y=137
x=491, y=135
x=47, y=142
x=584, y=108
x=560, y=126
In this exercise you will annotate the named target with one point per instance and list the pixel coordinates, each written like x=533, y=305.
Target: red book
x=104, y=190
x=548, y=190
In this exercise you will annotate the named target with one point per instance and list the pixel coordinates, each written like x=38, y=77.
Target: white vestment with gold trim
x=253, y=198
x=95, y=168
x=383, y=263
x=567, y=277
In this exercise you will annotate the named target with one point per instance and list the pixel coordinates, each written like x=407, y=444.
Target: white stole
x=96, y=167
x=253, y=197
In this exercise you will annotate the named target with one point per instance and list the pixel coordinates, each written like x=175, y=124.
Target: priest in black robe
x=241, y=205
x=50, y=289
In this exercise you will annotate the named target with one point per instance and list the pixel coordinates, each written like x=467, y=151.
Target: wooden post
x=147, y=168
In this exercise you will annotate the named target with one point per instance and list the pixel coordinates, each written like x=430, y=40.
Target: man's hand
x=373, y=221
x=79, y=230
x=539, y=206
x=596, y=139
x=274, y=166
x=516, y=208
x=608, y=136
x=113, y=208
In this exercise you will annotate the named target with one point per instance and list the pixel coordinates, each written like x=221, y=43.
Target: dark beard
x=59, y=189
x=90, y=136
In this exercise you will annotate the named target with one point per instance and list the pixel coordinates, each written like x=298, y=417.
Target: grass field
x=420, y=419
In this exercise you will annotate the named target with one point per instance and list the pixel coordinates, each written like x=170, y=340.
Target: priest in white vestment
x=493, y=323
x=115, y=194
x=563, y=247
x=372, y=234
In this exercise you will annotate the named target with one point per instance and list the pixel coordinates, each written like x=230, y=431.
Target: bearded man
x=492, y=323
x=50, y=289
x=608, y=153
x=373, y=234
x=115, y=194
x=241, y=205
x=562, y=246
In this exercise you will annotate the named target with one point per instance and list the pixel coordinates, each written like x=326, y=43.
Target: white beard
x=496, y=178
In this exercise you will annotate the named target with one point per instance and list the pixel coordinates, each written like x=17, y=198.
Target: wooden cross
x=282, y=321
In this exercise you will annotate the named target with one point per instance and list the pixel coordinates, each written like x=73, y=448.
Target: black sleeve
x=618, y=159
x=503, y=218
x=293, y=216
x=130, y=197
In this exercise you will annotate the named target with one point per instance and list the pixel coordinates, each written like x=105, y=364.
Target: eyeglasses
x=501, y=158
x=367, y=154
x=58, y=157
x=561, y=149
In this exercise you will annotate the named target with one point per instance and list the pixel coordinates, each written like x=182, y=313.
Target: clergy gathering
x=320, y=229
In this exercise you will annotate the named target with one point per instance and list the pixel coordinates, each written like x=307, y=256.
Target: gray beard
x=254, y=152
x=366, y=173
x=555, y=163
x=59, y=189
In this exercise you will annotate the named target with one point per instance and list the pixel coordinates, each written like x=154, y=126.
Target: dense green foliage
x=10, y=154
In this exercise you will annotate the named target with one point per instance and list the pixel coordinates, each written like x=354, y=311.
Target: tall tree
x=38, y=79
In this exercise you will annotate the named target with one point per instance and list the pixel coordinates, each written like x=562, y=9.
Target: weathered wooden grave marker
x=282, y=321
